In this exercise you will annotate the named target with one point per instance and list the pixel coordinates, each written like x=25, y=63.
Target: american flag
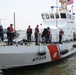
x=68, y=2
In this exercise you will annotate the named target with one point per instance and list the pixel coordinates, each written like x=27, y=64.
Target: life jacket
x=61, y=32
x=48, y=32
x=29, y=29
x=36, y=30
x=1, y=29
x=11, y=29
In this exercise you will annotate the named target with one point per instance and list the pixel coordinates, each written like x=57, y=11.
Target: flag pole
x=14, y=21
x=56, y=13
x=72, y=9
x=66, y=5
x=0, y=21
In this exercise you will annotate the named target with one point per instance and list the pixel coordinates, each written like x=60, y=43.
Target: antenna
x=56, y=13
x=72, y=9
x=14, y=20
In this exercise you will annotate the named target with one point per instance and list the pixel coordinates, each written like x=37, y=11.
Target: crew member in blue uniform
x=1, y=33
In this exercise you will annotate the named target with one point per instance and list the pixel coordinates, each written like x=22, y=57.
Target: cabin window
x=70, y=17
x=57, y=15
x=63, y=15
x=52, y=16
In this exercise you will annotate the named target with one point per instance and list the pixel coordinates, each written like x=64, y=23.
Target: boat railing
x=54, y=39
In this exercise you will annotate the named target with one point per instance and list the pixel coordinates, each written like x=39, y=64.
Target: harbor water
x=66, y=66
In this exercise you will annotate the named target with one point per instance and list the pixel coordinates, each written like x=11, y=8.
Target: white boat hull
x=17, y=56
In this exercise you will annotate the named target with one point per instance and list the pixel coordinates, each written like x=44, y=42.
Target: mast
x=56, y=13
x=14, y=21
x=0, y=21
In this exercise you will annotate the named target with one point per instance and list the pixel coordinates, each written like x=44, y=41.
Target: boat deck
x=32, y=43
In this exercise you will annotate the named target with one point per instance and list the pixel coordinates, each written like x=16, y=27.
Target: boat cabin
x=59, y=20
x=57, y=15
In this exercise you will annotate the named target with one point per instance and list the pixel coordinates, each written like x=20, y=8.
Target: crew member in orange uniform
x=10, y=34
x=37, y=35
x=61, y=32
x=48, y=34
x=29, y=33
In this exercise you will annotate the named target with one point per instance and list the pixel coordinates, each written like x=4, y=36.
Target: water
x=66, y=66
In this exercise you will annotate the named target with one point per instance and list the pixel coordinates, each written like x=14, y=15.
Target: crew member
x=37, y=35
x=61, y=32
x=1, y=34
x=48, y=34
x=10, y=34
x=29, y=33
x=44, y=33
x=74, y=36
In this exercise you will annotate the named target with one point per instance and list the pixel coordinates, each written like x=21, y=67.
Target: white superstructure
x=59, y=20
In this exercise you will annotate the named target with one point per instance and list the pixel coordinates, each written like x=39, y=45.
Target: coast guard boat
x=27, y=54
